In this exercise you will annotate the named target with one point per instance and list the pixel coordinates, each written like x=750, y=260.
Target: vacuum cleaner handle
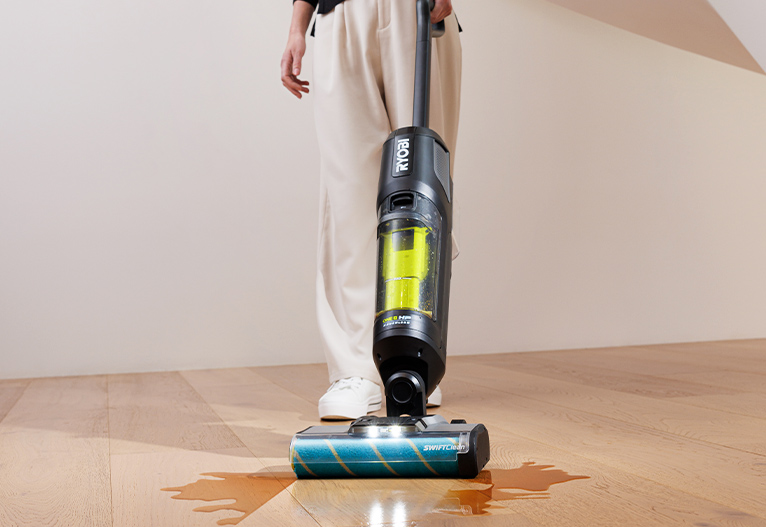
x=437, y=29
x=426, y=30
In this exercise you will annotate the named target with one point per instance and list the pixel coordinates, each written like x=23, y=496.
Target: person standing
x=364, y=78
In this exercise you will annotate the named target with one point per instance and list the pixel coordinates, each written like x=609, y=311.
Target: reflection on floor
x=250, y=491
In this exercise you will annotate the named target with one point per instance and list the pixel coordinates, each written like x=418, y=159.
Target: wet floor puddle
x=249, y=492
x=531, y=479
x=245, y=493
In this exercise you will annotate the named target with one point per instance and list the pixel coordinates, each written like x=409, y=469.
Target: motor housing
x=414, y=267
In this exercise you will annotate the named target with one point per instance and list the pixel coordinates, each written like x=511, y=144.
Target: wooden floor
x=656, y=435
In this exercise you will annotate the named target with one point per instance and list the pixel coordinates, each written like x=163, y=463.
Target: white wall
x=613, y=187
x=746, y=18
x=158, y=188
x=159, y=191
x=693, y=25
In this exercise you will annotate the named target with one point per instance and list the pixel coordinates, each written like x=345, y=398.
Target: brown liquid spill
x=536, y=479
x=249, y=492
x=252, y=491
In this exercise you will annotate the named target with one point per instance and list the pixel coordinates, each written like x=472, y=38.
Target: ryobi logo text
x=402, y=156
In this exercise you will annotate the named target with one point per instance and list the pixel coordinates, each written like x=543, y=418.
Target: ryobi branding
x=402, y=156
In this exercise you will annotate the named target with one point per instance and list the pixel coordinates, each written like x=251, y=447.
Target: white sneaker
x=349, y=399
x=435, y=399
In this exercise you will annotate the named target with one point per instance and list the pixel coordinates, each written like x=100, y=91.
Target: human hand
x=291, y=65
x=441, y=10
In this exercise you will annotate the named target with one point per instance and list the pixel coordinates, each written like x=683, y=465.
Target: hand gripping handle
x=437, y=29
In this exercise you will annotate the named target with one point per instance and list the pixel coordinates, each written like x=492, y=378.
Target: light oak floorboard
x=640, y=436
x=308, y=381
x=667, y=359
x=638, y=360
x=722, y=475
x=149, y=412
x=609, y=496
x=725, y=429
x=734, y=380
x=10, y=391
x=201, y=488
x=633, y=500
x=574, y=370
x=54, y=448
x=748, y=404
x=748, y=350
x=348, y=502
x=264, y=415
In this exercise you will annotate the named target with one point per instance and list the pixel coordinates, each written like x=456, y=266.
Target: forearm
x=302, y=12
x=296, y=47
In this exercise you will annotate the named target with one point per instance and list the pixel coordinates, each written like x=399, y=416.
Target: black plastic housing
x=416, y=343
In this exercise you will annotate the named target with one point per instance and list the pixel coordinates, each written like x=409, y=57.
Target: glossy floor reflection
x=380, y=502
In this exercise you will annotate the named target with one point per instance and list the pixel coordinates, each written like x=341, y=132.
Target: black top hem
x=325, y=6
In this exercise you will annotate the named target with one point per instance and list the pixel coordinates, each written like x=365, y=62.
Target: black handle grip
x=437, y=29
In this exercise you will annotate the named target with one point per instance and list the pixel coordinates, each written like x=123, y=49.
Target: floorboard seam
x=622, y=372
x=283, y=386
x=10, y=408
x=244, y=445
x=109, y=450
x=690, y=492
x=664, y=432
x=223, y=422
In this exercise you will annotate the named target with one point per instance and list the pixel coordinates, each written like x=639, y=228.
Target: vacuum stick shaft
x=420, y=112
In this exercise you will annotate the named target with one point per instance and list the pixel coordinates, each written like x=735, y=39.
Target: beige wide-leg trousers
x=364, y=64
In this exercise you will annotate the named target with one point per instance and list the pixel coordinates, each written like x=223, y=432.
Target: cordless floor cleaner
x=410, y=333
